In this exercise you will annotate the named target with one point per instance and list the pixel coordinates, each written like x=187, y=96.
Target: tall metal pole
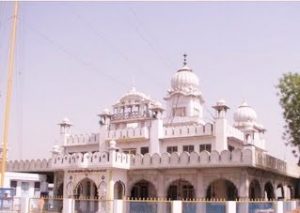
x=9, y=88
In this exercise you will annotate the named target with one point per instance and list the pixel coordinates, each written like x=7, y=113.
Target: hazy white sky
x=74, y=59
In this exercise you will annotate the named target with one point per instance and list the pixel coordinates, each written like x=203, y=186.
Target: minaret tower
x=221, y=126
x=65, y=130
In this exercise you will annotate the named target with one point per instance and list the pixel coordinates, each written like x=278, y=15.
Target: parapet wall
x=33, y=165
x=191, y=130
x=194, y=159
x=235, y=133
x=91, y=160
x=131, y=133
x=113, y=159
x=83, y=139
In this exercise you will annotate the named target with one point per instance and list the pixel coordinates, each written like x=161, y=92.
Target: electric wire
x=140, y=32
x=136, y=66
x=75, y=57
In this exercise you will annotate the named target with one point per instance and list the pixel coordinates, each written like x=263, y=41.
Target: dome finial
x=184, y=59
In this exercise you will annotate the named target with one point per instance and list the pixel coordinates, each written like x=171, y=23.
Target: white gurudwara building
x=144, y=150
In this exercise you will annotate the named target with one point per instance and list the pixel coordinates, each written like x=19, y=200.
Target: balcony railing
x=188, y=131
x=129, y=115
x=128, y=133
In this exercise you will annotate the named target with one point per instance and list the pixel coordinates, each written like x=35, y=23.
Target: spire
x=184, y=59
x=132, y=81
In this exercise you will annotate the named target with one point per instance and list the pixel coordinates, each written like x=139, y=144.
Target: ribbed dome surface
x=185, y=80
x=245, y=113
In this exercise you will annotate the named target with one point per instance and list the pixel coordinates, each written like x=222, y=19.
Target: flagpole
x=9, y=89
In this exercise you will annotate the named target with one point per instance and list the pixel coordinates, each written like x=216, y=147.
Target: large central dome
x=185, y=80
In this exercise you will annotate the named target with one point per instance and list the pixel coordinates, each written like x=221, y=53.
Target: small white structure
x=26, y=184
x=142, y=150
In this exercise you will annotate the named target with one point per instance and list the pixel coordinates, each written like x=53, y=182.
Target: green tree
x=289, y=93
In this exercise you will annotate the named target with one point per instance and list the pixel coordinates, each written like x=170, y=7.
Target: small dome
x=133, y=95
x=66, y=121
x=221, y=102
x=185, y=80
x=157, y=103
x=105, y=111
x=245, y=113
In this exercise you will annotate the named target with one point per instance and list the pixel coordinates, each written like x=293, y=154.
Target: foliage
x=289, y=93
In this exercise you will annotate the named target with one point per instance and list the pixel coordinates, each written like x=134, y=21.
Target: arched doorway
x=254, y=190
x=280, y=192
x=222, y=189
x=181, y=190
x=86, y=196
x=269, y=191
x=119, y=190
x=143, y=189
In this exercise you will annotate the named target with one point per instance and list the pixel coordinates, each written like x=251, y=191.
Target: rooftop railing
x=83, y=139
x=187, y=131
x=113, y=159
x=128, y=133
x=129, y=115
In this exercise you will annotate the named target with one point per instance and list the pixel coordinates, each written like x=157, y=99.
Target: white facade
x=145, y=150
x=25, y=184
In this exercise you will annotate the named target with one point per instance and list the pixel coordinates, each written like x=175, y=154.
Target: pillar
x=231, y=207
x=176, y=206
x=200, y=192
x=110, y=195
x=161, y=193
x=221, y=126
x=118, y=205
x=278, y=207
x=243, y=191
x=68, y=205
x=156, y=132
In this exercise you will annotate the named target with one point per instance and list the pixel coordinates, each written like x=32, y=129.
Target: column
x=279, y=207
x=161, y=193
x=68, y=205
x=200, y=192
x=176, y=206
x=118, y=206
x=156, y=132
x=110, y=194
x=243, y=191
x=231, y=206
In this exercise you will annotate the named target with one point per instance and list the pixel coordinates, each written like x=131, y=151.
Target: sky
x=73, y=59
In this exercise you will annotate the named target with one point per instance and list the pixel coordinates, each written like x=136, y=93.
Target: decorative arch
x=134, y=179
x=119, y=190
x=180, y=189
x=143, y=189
x=255, y=190
x=222, y=189
x=269, y=191
x=86, y=188
x=102, y=189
